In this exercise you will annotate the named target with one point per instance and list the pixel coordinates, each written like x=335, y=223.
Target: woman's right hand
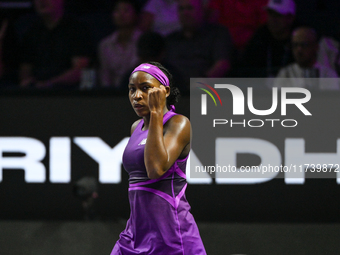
x=157, y=98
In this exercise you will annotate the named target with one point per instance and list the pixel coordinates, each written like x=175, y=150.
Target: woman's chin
x=141, y=112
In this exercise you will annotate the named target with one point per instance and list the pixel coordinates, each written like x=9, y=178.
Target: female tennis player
x=155, y=159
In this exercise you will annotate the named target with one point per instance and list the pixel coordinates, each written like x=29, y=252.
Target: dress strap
x=168, y=116
x=138, y=128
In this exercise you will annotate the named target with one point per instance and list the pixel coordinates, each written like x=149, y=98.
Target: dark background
x=101, y=114
x=267, y=218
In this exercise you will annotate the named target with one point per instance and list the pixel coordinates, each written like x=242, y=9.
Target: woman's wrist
x=156, y=112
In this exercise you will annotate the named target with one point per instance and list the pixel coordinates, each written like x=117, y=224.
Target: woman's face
x=139, y=85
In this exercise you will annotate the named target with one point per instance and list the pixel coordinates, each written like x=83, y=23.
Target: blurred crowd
x=85, y=44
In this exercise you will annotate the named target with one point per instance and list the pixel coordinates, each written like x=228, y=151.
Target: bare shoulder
x=134, y=125
x=178, y=131
x=179, y=124
x=179, y=120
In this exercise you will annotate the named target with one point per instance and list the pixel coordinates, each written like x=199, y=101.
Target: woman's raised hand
x=157, y=98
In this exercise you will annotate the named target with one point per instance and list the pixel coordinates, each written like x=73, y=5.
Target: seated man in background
x=329, y=54
x=198, y=49
x=151, y=47
x=269, y=49
x=55, y=50
x=305, y=50
x=117, y=53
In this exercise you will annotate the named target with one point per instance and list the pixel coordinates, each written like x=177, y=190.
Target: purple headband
x=154, y=71
x=157, y=73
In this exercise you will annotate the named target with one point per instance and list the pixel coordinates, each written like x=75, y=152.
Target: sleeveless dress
x=160, y=220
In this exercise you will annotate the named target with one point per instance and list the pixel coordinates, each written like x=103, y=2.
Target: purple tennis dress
x=160, y=221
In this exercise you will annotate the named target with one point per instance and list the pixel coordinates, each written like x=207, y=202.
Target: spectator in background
x=305, y=49
x=55, y=50
x=198, y=49
x=118, y=52
x=329, y=53
x=241, y=17
x=269, y=49
x=329, y=49
x=151, y=48
x=160, y=16
x=8, y=54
